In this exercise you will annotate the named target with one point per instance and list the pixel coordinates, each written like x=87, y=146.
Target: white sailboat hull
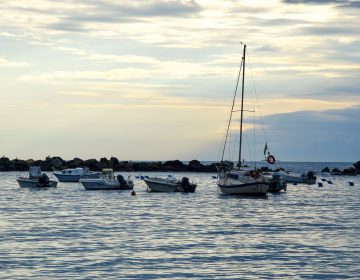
x=255, y=188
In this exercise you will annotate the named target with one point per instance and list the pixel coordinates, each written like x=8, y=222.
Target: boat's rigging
x=257, y=98
x=232, y=110
x=228, y=136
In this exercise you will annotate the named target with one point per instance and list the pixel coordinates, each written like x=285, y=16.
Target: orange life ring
x=271, y=159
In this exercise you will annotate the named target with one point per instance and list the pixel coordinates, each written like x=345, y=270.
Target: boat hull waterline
x=256, y=188
x=102, y=184
x=34, y=184
x=165, y=185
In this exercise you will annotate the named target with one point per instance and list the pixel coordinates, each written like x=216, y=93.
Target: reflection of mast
x=242, y=104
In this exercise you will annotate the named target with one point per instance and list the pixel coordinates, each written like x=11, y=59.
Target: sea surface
x=309, y=232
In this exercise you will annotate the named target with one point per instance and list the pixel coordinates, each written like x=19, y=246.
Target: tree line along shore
x=57, y=163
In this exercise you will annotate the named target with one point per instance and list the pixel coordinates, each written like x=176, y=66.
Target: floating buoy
x=330, y=182
x=351, y=183
x=320, y=184
x=133, y=193
x=270, y=159
x=214, y=177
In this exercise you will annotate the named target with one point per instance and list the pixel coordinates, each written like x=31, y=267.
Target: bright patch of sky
x=154, y=80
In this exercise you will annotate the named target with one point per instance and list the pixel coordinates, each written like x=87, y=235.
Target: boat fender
x=271, y=159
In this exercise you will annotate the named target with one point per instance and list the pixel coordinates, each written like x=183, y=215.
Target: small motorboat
x=170, y=184
x=107, y=181
x=36, y=179
x=74, y=174
x=304, y=178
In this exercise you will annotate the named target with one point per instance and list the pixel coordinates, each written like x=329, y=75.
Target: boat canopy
x=34, y=172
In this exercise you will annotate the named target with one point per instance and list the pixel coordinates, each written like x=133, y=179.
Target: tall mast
x=242, y=104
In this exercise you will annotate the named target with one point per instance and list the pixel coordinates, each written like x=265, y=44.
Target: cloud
x=315, y=136
x=339, y=3
x=9, y=63
x=111, y=12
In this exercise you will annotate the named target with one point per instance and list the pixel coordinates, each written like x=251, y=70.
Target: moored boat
x=74, y=174
x=36, y=179
x=245, y=182
x=107, y=182
x=170, y=184
x=238, y=180
x=301, y=178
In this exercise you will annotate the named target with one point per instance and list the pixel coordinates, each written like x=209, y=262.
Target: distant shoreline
x=57, y=163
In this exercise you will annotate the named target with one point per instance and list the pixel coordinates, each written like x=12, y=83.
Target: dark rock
x=351, y=171
x=57, y=162
x=326, y=170
x=174, y=165
x=92, y=164
x=105, y=163
x=336, y=171
x=196, y=166
x=357, y=165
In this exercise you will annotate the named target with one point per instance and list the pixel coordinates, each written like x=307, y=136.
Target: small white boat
x=170, y=184
x=304, y=178
x=74, y=174
x=107, y=182
x=36, y=179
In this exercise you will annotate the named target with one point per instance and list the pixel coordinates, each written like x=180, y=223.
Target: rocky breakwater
x=57, y=163
x=350, y=171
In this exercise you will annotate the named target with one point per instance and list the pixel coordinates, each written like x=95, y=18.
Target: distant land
x=57, y=163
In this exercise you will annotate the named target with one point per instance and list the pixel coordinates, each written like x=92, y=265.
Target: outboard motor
x=44, y=181
x=311, y=177
x=185, y=184
x=122, y=181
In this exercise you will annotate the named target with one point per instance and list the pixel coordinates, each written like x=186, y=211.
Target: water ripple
x=69, y=233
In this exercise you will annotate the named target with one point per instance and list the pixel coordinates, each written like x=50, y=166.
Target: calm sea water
x=310, y=232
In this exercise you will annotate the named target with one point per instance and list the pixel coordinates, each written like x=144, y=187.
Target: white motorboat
x=170, y=184
x=74, y=174
x=301, y=178
x=36, y=179
x=107, y=182
x=237, y=180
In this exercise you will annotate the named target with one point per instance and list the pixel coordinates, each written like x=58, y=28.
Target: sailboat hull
x=256, y=188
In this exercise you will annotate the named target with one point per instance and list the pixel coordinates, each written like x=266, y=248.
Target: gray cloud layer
x=340, y=3
x=330, y=135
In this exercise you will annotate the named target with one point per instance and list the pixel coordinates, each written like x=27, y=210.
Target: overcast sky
x=154, y=79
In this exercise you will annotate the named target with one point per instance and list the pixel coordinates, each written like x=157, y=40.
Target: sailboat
x=240, y=180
